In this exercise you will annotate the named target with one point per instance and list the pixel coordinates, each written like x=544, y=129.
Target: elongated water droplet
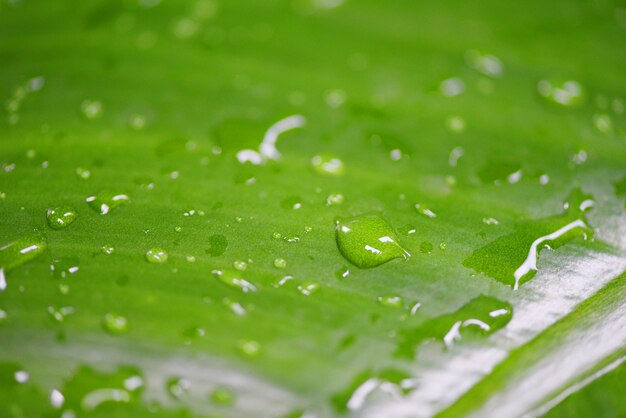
x=512, y=259
x=423, y=210
x=481, y=316
x=114, y=323
x=156, y=256
x=105, y=202
x=18, y=252
x=234, y=279
x=64, y=267
x=368, y=241
x=61, y=217
x=354, y=397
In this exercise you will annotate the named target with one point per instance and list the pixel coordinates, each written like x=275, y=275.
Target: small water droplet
x=455, y=124
x=308, y=287
x=292, y=202
x=104, y=202
x=487, y=64
x=59, y=314
x=443, y=246
x=334, y=199
x=490, y=221
x=233, y=279
x=234, y=306
x=115, y=324
x=423, y=210
x=280, y=263
x=426, y=247
x=91, y=109
x=368, y=241
x=249, y=348
x=83, y=173
x=3, y=316
x=61, y=217
x=392, y=301
x=56, y=399
x=240, y=265
x=156, y=255
x=21, y=376
x=107, y=249
x=327, y=164
x=452, y=87
x=568, y=93
x=342, y=273
x=177, y=387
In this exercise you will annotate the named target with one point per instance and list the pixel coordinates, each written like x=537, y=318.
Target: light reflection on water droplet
x=115, y=324
x=249, y=348
x=61, y=217
x=234, y=279
x=391, y=301
x=327, y=164
x=104, y=202
x=308, y=287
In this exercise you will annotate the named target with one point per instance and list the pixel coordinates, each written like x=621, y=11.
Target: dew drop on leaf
x=391, y=301
x=104, y=202
x=156, y=256
x=368, y=241
x=114, y=323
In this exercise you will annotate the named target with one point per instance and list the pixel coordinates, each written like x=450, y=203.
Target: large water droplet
x=480, y=316
x=104, y=202
x=61, y=217
x=368, y=241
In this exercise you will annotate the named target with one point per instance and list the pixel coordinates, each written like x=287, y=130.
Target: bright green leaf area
x=149, y=269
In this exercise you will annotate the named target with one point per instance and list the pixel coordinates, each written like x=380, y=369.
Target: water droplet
x=443, y=246
x=490, y=221
x=233, y=279
x=281, y=282
x=234, y=306
x=249, y=348
x=603, y=123
x=334, y=199
x=426, y=247
x=91, y=109
x=342, y=273
x=156, y=255
x=240, y=265
x=18, y=252
x=292, y=202
x=115, y=324
x=368, y=241
x=486, y=64
x=452, y=87
x=391, y=301
x=59, y=314
x=56, y=399
x=106, y=201
x=83, y=173
x=218, y=245
x=3, y=316
x=61, y=217
x=107, y=249
x=455, y=124
x=178, y=387
x=308, y=287
x=327, y=164
x=495, y=171
x=568, y=93
x=222, y=397
x=481, y=316
x=21, y=376
x=423, y=210
x=394, y=382
x=512, y=258
x=280, y=263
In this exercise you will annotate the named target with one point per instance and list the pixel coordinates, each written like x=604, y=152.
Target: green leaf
x=176, y=177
